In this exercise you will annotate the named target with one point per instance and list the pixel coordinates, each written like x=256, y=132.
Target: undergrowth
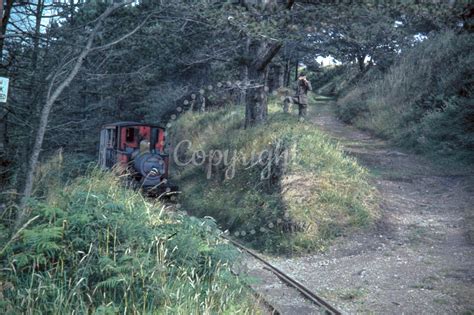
x=281, y=207
x=94, y=247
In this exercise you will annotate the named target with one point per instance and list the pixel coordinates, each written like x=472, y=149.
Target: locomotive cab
x=138, y=149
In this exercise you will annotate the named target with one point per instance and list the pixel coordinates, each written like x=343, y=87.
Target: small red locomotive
x=138, y=149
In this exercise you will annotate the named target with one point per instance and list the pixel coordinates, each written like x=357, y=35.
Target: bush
x=355, y=105
x=98, y=248
x=448, y=129
x=279, y=207
x=424, y=101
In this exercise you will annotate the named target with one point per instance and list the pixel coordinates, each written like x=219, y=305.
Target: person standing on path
x=301, y=98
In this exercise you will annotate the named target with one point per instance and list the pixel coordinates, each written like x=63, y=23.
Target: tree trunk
x=296, y=69
x=287, y=74
x=3, y=29
x=360, y=62
x=4, y=161
x=256, y=99
x=3, y=132
x=36, y=91
x=36, y=38
x=71, y=12
x=280, y=77
x=275, y=77
x=244, y=72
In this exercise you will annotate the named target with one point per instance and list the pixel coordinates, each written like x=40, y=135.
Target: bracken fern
x=98, y=248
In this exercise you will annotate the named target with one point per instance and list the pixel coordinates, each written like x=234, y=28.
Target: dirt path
x=417, y=259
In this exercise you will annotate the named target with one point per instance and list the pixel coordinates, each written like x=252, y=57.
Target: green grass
x=320, y=194
x=94, y=247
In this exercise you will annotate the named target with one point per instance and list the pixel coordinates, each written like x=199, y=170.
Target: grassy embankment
x=423, y=102
x=94, y=247
x=275, y=206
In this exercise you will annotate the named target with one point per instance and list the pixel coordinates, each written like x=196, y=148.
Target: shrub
x=355, y=105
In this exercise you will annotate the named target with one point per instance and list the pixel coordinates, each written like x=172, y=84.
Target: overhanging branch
x=263, y=60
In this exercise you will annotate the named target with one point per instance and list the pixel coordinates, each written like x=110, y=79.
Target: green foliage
x=324, y=79
x=447, y=130
x=138, y=79
x=96, y=247
x=367, y=31
x=424, y=101
x=319, y=194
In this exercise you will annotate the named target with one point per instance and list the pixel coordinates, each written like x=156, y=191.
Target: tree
x=379, y=32
x=364, y=32
x=258, y=23
x=66, y=73
x=7, y=9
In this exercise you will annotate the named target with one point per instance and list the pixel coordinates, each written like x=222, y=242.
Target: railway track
x=287, y=280
x=325, y=307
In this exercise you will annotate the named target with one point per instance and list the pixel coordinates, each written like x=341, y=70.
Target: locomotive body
x=138, y=149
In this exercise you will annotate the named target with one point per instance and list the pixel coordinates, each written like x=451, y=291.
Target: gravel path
x=417, y=259
x=282, y=298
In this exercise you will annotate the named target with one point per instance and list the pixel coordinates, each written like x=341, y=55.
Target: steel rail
x=289, y=281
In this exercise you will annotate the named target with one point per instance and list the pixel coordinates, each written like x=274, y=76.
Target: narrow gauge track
x=304, y=291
